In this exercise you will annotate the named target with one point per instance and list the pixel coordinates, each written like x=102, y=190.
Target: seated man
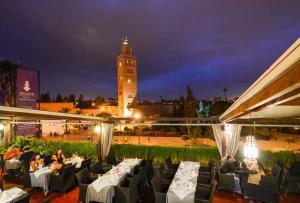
x=26, y=155
x=228, y=167
x=13, y=153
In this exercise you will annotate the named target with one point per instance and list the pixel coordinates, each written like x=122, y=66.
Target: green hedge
x=201, y=154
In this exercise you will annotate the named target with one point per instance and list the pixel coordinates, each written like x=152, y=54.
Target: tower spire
x=125, y=41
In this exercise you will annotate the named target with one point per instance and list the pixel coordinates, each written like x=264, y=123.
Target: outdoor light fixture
x=250, y=148
x=1, y=126
x=97, y=128
x=137, y=116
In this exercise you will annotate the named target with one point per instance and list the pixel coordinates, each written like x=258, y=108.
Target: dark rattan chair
x=205, y=195
x=111, y=161
x=63, y=182
x=127, y=192
x=84, y=164
x=160, y=189
x=226, y=182
x=97, y=168
x=169, y=175
x=83, y=179
x=170, y=164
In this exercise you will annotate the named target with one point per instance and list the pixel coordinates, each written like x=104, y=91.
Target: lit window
x=129, y=81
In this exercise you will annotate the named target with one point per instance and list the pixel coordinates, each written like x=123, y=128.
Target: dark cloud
x=207, y=44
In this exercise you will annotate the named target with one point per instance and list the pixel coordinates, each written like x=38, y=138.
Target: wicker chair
x=63, y=182
x=226, y=182
x=127, y=192
x=206, y=169
x=25, y=199
x=169, y=175
x=160, y=189
x=207, y=181
x=170, y=164
x=84, y=164
x=150, y=171
x=25, y=177
x=205, y=195
x=83, y=179
x=142, y=180
x=292, y=185
x=111, y=161
x=97, y=168
x=1, y=184
x=266, y=191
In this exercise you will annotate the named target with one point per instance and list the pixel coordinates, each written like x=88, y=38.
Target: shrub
x=200, y=153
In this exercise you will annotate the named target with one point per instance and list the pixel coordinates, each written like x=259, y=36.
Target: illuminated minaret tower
x=127, y=80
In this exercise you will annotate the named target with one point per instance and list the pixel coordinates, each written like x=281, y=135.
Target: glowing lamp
x=137, y=116
x=1, y=126
x=250, y=148
x=97, y=128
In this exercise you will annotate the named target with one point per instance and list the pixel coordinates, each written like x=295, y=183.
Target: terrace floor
x=72, y=196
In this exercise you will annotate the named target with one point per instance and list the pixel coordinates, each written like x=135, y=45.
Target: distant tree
x=59, y=98
x=45, y=97
x=65, y=99
x=219, y=107
x=72, y=98
x=99, y=101
x=190, y=103
x=189, y=106
x=178, y=107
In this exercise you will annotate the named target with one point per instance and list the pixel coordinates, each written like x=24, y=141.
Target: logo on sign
x=26, y=86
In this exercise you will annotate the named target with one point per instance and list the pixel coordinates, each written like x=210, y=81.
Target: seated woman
x=59, y=154
x=252, y=165
x=58, y=166
x=36, y=162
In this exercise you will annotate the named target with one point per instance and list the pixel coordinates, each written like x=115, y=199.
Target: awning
x=275, y=95
x=32, y=114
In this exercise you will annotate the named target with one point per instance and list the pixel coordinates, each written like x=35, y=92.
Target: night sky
x=206, y=44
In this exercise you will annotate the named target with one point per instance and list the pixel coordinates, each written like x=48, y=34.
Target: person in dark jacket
x=229, y=165
x=26, y=155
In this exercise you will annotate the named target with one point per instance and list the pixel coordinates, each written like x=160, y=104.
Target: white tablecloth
x=41, y=178
x=102, y=190
x=12, y=164
x=74, y=161
x=183, y=186
x=12, y=195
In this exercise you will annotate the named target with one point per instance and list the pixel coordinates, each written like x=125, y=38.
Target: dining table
x=12, y=195
x=183, y=186
x=102, y=189
x=12, y=164
x=41, y=178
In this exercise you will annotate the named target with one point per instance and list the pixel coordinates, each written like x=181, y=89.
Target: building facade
x=127, y=79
